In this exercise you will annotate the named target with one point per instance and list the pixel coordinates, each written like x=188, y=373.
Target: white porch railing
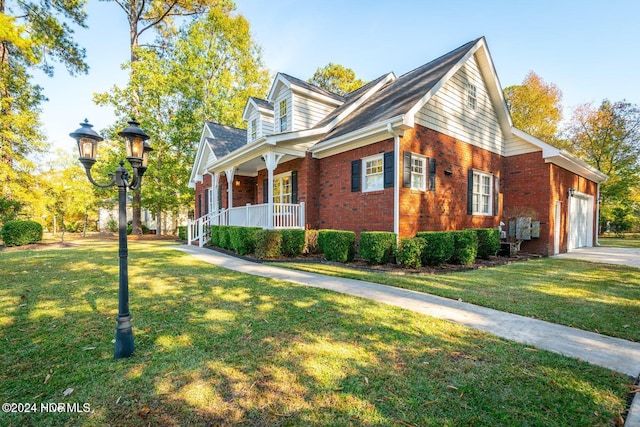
x=285, y=215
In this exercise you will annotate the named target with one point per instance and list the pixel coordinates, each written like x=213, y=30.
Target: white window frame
x=416, y=174
x=482, y=193
x=282, y=192
x=254, y=129
x=372, y=178
x=471, y=96
x=282, y=118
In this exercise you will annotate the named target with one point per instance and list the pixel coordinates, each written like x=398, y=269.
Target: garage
x=580, y=221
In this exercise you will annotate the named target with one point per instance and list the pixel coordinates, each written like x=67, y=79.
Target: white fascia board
x=251, y=103
x=363, y=136
x=311, y=94
x=201, y=155
x=279, y=79
x=562, y=158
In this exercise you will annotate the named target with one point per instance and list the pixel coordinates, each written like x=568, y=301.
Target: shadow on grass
x=215, y=347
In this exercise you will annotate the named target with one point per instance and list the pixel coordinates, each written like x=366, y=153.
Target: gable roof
x=225, y=139
x=301, y=85
x=401, y=95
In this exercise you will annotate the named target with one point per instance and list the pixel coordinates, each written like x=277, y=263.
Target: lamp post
x=137, y=150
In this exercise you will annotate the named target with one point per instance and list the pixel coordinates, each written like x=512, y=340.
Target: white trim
x=481, y=175
x=425, y=171
x=376, y=157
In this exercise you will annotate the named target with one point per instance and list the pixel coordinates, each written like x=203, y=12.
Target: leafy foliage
x=268, y=244
x=409, y=254
x=465, y=247
x=535, y=107
x=336, y=78
x=337, y=245
x=377, y=247
x=19, y=232
x=488, y=242
x=438, y=248
x=293, y=242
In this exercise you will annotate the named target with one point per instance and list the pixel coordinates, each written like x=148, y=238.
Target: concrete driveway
x=608, y=255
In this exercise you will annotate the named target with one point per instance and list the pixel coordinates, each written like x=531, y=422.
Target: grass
x=215, y=347
x=596, y=297
x=620, y=242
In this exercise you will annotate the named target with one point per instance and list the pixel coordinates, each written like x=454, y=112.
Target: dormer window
x=472, y=100
x=254, y=129
x=283, y=115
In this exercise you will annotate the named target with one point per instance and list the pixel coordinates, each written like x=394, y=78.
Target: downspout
x=396, y=181
x=598, y=215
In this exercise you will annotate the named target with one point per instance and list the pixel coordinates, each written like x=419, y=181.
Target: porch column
x=230, y=173
x=215, y=183
x=271, y=160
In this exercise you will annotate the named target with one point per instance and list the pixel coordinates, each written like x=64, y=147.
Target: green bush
x=224, y=237
x=18, y=232
x=293, y=242
x=465, y=247
x=337, y=245
x=243, y=239
x=488, y=242
x=268, y=244
x=377, y=247
x=439, y=246
x=145, y=229
x=409, y=254
x=214, y=233
x=112, y=225
x=182, y=232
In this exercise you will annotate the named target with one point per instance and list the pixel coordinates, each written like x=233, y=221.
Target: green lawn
x=620, y=242
x=215, y=347
x=596, y=297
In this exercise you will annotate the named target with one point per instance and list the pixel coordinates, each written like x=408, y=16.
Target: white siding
x=282, y=95
x=515, y=145
x=266, y=124
x=447, y=111
x=308, y=112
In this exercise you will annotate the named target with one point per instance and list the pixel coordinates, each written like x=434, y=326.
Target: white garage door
x=580, y=221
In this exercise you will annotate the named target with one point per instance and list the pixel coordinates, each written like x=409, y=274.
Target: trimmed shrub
x=488, y=242
x=224, y=238
x=377, y=247
x=311, y=242
x=243, y=239
x=268, y=244
x=439, y=246
x=112, y=225
x=182, y=232
x=465, y=247
x=214, y=233
x=337, y=245
x=293, y=242
x=410, y=252
x=18, y=232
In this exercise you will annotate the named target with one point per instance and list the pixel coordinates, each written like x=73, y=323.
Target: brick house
x=433, y=149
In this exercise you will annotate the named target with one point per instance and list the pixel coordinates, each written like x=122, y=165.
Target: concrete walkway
x=613, y=353
x=624, y=256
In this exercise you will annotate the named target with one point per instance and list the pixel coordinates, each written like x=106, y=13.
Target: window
x=283, y=115
x=471, y=98
x=254, y=129
x=282, y=188
x=418, y=175
x=482, y=194
x=373, y=173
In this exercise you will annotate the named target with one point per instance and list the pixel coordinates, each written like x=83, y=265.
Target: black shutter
x=356, y=175
x=294, y=186
x=496, y=191
x=431, y=185
x=199, y=205
x=219, y=196
x=406, y=169
x=206, y=202
x=388, y=169
x=470, y=192
x=265, y=191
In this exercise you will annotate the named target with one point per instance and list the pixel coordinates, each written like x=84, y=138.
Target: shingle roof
x=225, y=138
x=312, y=87
x=399, y=96
x=262, y=103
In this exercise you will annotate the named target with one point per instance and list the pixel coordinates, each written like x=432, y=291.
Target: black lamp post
x=137, y=154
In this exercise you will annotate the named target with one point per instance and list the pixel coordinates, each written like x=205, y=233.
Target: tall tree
x=206, y=72
x=608, y=138
x=336, y=78
x=159, y=15
x=33, y=35
x=536, y=107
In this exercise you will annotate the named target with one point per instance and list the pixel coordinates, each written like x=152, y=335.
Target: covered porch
x=261, y=186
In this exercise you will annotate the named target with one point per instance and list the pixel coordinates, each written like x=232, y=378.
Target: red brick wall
x=446, y=207
x=201, y=189
x=339, y=208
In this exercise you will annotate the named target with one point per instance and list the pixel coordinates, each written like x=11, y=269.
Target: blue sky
x=588, y=48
